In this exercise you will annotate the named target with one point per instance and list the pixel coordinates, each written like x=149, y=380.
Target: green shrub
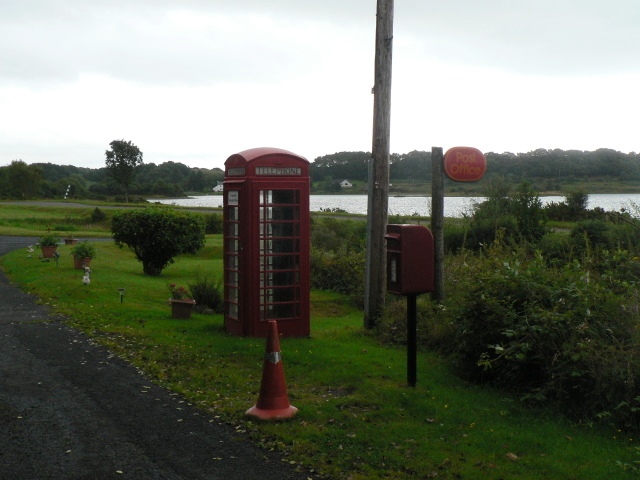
x=207, y=292
x=157, y=235
x=591, y=233
x=519, y=215
x=558, y=326
x=625, y=236
x=564, y=336
x=623, y=267
x=338, y=256
x=49, y=241
x=574, y=207
x=556, y=249
x=455, y=237
x=485, y=231
x=340, y=272
x=84, y=249
x=330, y=234
x=65, y=228
x=131, y=199
x=432, y=331
x=98, y=216
x=213, y=223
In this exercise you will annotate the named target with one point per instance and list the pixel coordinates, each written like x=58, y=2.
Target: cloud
x=541, y=37
x=160, y=42
x=196, y=80
x=209, y=41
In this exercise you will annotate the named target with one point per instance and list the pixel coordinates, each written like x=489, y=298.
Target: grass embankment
x=33, y=220
x=357, y=418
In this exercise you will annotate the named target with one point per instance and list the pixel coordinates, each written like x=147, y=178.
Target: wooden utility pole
x=375, y=282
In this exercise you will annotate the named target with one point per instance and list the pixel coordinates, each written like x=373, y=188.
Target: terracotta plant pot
x=47, y=252
x=181, y=308
x=70, y=241
x=80, y=262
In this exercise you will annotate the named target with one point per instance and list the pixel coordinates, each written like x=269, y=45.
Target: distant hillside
x=550, y=171
x=46, y=180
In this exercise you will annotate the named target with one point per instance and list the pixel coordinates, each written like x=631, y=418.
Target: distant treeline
x=541, y=163
x=45, y=180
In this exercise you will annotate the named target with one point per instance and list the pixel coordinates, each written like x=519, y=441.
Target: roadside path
x=71, y=410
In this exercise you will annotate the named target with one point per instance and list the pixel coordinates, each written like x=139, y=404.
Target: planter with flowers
x=181, y=301
x=82, y=254
x=49, y=245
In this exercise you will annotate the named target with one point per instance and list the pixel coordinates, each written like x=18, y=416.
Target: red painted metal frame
x=267, y=283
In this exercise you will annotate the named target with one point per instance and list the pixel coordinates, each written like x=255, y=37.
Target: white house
x=218, y=188
x=345, y=184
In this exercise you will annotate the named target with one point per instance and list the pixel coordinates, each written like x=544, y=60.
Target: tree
x=342, y=165
x=23, y=181
x=157, y=235
x=518, y=214
x=529, y=213
x=412, y=165
x=497, y=193
x=121, y=162
x=577, y=202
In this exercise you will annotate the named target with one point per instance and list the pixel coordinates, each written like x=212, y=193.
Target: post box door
x=410, y=253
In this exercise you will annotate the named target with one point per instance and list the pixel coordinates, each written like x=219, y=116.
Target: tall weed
x=566, y=336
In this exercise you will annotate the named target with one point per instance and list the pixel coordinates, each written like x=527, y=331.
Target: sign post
x=437, y=222
x=460, y=164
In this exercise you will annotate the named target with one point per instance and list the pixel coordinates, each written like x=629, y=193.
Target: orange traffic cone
x=273, y=401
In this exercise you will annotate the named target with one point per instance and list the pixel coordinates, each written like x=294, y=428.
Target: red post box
x=409, y=259
x=266, y=243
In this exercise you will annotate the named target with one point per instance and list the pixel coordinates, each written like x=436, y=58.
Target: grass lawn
x=357, y=419
x=35, y=220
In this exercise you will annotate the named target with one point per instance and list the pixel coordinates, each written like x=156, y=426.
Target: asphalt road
x=69, y=409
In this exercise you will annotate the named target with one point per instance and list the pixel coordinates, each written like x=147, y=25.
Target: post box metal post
x=410, y=262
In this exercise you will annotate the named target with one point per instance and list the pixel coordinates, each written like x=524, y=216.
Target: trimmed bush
x=157, y=235
x=213, y=223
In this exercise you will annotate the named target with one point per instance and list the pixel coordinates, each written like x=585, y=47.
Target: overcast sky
x=195, y=81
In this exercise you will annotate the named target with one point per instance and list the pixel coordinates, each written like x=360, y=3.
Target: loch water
x=406, y=206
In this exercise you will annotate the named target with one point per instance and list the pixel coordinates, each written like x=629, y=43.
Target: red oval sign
x=464, y=164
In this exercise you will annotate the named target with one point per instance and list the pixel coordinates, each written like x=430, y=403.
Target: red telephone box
x=266, y=243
